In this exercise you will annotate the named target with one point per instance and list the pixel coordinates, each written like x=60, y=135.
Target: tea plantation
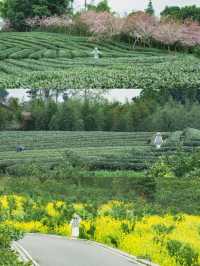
x=101, y=150
x=57, y=61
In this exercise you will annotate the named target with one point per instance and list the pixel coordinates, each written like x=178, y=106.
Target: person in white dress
x=158, y=140
x=96, y=53
x=75, y=224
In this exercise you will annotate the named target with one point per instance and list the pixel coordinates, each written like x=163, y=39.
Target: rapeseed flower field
x=168, y=240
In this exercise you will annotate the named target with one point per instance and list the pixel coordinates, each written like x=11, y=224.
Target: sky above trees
x=129, y=5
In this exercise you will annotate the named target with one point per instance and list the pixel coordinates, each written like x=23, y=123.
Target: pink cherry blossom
x=140, y=26
x=102, y=24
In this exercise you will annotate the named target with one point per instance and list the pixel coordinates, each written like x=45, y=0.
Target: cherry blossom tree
x=140, y=26
x=47, y=22
x=190, y=34
x=168, y=33
x=102, y=25
x=171, y=32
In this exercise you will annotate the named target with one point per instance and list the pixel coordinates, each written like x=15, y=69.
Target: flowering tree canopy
x=140, y=26
x=45, y=22
x=102, y=24
x=168, y=33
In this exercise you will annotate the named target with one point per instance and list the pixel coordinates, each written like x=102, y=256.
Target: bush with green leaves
x=8, y=256
x=183, y=253
x=197, y=51
x=177, y=182
x=173, y=116
x=8, y=234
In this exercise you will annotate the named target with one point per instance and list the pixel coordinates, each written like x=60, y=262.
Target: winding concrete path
x=59, y=251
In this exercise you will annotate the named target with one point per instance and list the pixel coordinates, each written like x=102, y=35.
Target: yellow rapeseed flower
x=51, y=211
x=4, y=202
x=64, y=230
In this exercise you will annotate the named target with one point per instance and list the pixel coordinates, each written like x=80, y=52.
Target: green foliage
x=73, y=159
x=197, y=51
x=182, y=13
x=161, y=229
x=87, y=233
x=183, y=253
x=17, y=11
x=174, y=116
x=172, y=11
x=8, y=234
x=4, y=118
x=96, y=150
x=7, y=256
x=177, y=182
x=182, y=164
x=174, y=139
x=99, y=149
x=150, y=9
x=171, y=185
x=102, y=6
x=191, y=134
x=97, y=114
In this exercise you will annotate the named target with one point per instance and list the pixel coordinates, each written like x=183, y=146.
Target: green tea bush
x=190, y=134
x=73, y=66
x=174, y=139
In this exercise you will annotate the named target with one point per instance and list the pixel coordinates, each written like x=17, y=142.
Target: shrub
x=183, y=253
x=190, y=134
x=197, y=51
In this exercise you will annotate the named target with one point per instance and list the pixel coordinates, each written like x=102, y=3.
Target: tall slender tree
x=150, y=9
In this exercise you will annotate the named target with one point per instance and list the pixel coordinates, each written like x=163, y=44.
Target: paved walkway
x=57, y=251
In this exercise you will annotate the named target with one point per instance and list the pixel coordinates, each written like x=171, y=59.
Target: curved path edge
x=25, y=256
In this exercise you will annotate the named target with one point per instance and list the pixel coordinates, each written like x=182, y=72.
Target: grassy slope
x=104, y=149
x=49, y=60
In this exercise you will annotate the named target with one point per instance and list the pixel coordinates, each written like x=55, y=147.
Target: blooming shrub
x=63, y=230
x=28, y=227
x=108, y=231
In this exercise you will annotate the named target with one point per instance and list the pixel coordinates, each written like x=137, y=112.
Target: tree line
x=182, y=13
x=75, y=114
x=17, y=12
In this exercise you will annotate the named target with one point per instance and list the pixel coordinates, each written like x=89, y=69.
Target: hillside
x=102, y=150
x=57, y=61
